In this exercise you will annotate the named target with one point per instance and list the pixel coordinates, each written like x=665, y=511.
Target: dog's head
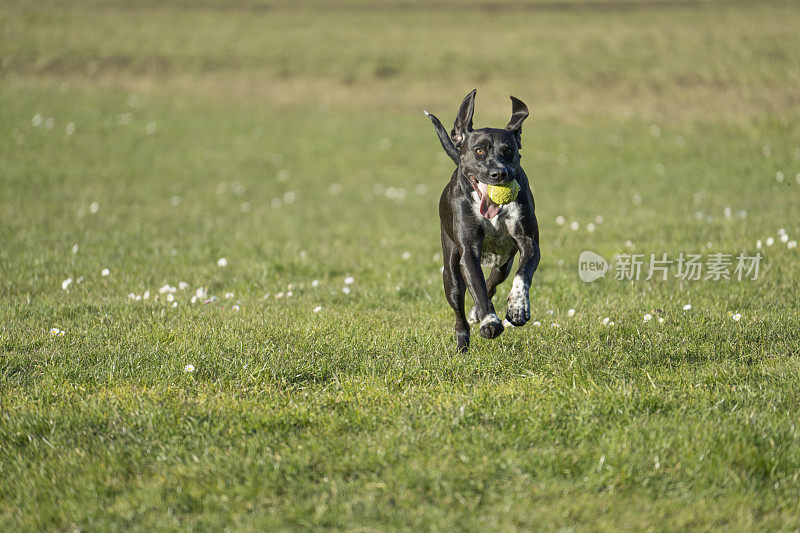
x=488, y=155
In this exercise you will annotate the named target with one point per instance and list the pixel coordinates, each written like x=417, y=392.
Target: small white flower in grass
x=784, y=238
x=36, y=121
x=105, y=272
x=94, y=207
x=317, y=309
x=770, y=241
x=146, y=295
x=347, y=281
x=590, y=227
x=194, y=299
x=346, y=290
x=741, y=213
x=210, y=300
x=138, y=298
x=170, y=297
x=549, y=311
x=637, y=199
x=235, y=308
x=574, y=226
x=79, y=280
x=228, y=295
x=315, y=283
x=49, y=123
x=335, y=188
x=202, y=292
x=628, y=244
x=55, y=332
x=648, y=317
x=164, y=289
x=66, y=283
x=791, y=245
x=188, y=368
x=70, y=129
x=598, y=219
x=571, y=312
x=131, y=296
x=222, y=262
x=661, y=320
x=606, y=320
x=74, y=249
x=182, y=285
x=150, y=128
x=174, y=304
x=758, y=244
x=687, y=307
x=279, y=295
x=736, y=317
x=406, y=256
x=175, y=201
x=123, y=119
x=556, y=325
x=779, y=176
x=537, y=323
x=560, y=220
x=289, y=294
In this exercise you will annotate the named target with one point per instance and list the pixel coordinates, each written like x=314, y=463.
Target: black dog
x=476, y=231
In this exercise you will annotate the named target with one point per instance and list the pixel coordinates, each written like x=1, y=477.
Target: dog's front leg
x=519, y=307
x=490, y=324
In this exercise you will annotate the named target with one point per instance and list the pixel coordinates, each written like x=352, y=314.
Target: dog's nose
x=499, y=174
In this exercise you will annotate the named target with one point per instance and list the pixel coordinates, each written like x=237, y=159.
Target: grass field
x=153, y=139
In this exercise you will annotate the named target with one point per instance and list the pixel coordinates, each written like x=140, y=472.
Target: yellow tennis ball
x=503, y=194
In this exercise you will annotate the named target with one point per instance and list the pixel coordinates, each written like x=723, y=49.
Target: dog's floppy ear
x=463, y=124
x=519, y=112
x=447, y=144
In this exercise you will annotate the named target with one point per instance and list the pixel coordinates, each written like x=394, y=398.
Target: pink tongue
x=488, y=208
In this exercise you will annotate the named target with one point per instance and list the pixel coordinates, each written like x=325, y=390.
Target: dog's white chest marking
x=498, y=245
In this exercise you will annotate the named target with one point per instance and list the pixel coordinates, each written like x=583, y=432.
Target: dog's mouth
x=488, y=208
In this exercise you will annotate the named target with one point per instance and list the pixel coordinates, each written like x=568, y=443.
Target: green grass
x=362, y=415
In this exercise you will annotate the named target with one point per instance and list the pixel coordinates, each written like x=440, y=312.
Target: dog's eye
x=479, y=151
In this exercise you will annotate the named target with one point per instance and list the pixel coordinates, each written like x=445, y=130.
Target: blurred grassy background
x=289, y=139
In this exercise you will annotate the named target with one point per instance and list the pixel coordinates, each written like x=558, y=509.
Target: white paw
x=519, y=307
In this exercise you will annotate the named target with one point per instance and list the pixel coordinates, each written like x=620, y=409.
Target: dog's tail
x=444, y=138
